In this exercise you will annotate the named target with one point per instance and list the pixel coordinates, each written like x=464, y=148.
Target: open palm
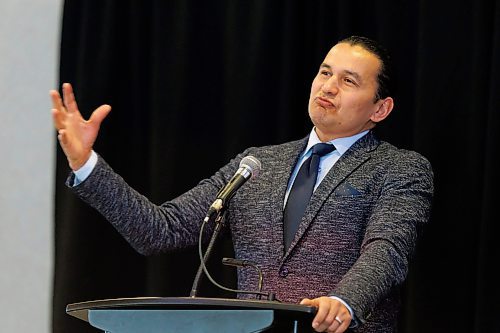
x=76, y=135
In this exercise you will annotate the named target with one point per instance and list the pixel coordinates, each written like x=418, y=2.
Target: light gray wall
x=29, y=56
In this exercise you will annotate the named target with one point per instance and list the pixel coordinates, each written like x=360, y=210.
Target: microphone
x=249, y=169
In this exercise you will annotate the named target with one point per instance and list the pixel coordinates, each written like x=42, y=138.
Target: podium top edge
x=80, y=310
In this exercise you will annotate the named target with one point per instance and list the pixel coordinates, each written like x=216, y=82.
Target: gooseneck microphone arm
x=249, y=168
x=204, y=258
x=203, y=268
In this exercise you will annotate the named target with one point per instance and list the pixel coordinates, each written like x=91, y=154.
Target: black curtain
x=193, y=83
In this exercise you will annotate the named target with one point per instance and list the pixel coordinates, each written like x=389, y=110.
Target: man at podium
x=332, y=220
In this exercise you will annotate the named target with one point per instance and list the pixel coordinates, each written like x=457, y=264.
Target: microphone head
x=252, y=164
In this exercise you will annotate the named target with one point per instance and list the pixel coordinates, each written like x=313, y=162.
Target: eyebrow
x=355, y=74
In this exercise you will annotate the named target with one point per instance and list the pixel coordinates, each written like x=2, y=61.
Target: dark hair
x=384, y=78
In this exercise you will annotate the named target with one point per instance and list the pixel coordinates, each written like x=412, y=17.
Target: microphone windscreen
x=252, y=164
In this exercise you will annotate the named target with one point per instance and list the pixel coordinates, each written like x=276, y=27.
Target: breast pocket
x=347, y=190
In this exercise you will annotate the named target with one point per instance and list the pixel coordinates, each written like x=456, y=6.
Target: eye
x=325, y=73
x=350, y=81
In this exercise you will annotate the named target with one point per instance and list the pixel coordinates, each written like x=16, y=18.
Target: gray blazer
x=355, y=240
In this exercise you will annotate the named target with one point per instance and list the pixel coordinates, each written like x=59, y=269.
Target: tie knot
x=321, y=149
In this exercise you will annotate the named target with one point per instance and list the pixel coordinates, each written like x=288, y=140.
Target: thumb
x=100, y=113
x=306, y=301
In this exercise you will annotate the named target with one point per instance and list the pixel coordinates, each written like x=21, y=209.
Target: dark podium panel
x=188, y=314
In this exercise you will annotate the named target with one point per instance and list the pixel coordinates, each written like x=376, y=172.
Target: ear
x=383, y=108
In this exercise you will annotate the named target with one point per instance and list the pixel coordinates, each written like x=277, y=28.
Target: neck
x=326, y=137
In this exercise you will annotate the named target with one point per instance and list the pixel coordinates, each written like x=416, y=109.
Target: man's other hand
x=332, y=315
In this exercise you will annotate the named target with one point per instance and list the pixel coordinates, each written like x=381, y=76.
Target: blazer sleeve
x=151, y=228
x=400, y=211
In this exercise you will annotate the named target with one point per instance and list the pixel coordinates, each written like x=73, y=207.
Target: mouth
x=324, y=102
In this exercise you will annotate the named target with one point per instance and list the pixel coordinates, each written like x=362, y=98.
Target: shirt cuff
x=353, y=321
x=82, y=173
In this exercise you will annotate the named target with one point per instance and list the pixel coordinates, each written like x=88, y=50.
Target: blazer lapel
x=286, y=159
x=358, y=154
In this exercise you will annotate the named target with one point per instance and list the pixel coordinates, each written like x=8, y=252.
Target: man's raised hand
x=76, y=135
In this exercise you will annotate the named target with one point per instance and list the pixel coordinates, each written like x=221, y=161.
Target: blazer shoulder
x=277, y=150
x=402, y=158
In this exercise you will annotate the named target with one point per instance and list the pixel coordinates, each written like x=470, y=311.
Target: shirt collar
x=342, y=144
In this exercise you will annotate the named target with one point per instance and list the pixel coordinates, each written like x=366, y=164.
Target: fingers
x=332, y=316
x=58, y=118
x=62, y=136
x=324, y=317
x=58, y=109
x=307, y=301
x=56, y=100
x=68, y=101
x=339, y=325
x=69, y=98
x=99, y=114
x=65, y=108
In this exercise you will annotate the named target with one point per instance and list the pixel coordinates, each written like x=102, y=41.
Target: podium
x=193, y=314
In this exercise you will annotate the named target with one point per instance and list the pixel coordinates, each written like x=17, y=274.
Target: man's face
x=342, y=101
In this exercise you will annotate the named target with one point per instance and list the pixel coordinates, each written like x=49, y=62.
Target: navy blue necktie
x=302, y=190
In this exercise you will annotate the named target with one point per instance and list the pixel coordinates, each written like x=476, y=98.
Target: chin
x=317, y=116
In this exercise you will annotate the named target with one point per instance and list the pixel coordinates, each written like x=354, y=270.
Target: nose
x=330, y=86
